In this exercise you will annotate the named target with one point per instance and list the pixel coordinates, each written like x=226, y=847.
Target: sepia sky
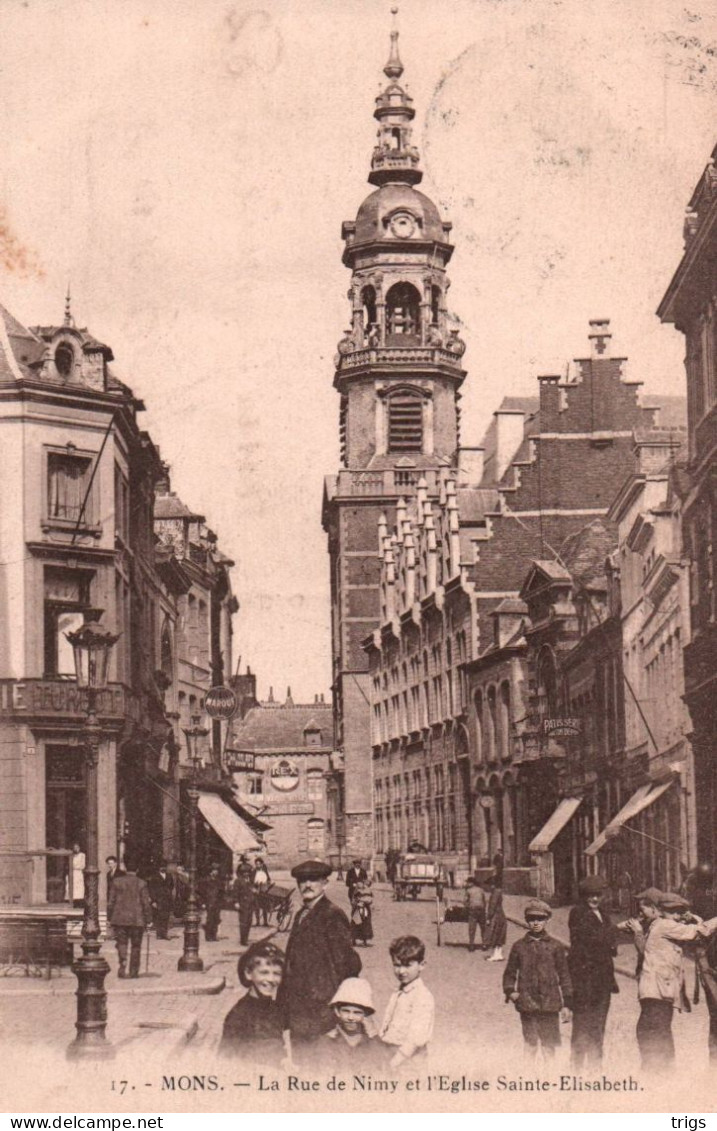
x=188, y=166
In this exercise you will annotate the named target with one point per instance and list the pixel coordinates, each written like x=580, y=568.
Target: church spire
x=395, y=159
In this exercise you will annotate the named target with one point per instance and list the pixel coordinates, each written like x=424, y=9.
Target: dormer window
x=64, y=359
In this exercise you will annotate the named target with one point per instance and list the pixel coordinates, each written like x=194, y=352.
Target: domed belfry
x=398, y=375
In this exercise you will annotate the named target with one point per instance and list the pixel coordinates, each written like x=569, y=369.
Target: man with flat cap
x=319, y=956
x=592, y=949
x=659, y=987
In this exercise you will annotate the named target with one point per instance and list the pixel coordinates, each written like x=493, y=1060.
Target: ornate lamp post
x=91, y=645
x=190, y=960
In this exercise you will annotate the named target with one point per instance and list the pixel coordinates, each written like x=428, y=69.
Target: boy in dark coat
x=592, y=949
x=537, y=981
x=129, y=911
x=253, y=1029
x=319, y=955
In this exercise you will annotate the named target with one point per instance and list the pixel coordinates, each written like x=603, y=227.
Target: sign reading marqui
x=562, y=728
x=220, y=703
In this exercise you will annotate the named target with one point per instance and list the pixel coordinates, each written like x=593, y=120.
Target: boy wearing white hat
x=350, y=1046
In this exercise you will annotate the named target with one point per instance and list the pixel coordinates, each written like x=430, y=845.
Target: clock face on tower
x=402, y=225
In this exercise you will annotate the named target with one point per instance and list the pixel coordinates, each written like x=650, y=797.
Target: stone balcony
x=418, y=357
x=386, y=482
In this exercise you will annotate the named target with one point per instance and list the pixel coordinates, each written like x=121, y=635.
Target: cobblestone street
x=475, y=1033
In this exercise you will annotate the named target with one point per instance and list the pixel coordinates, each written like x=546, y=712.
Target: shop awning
x=227, y=824
x=555, y=823
x=640, y=800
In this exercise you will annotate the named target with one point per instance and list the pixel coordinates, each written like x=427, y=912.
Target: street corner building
x=509, y=613
x=88, y=521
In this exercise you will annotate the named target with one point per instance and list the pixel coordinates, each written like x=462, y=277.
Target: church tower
x=398, y=375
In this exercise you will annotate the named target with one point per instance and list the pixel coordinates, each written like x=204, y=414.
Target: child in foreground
x=537, y=981
x=352, y=1045
x=408, y=1022
x=253, y=1028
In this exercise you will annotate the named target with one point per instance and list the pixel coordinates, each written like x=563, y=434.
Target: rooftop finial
x=394, y=66
x=69, y=320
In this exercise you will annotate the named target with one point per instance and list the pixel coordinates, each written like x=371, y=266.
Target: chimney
x=322, y=697
x=271, y=695
x=600, y=337
x=508, y=438
x=470, y=466
x=289, y=700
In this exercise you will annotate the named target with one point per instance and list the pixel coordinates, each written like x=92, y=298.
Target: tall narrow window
x=405, y=423
x=68, y=478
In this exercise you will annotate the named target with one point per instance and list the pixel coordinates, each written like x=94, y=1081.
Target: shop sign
x=220, y=703
x=239, y=760
x=56, y=697
x=285, y=775
x=290, y=809
x=562, y=728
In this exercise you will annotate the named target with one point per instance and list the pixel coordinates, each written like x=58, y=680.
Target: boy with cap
x=537, y=981
x=319, y=956
x=349, y=1047
x=660, y=983
x=590, y=960
x=253, y=1029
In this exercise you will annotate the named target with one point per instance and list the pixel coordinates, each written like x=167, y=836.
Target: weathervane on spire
x=394, y=66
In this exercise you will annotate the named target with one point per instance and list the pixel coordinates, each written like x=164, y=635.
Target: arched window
x=403, y=314
x=478, y=700
x=315, y=784
x=368, y=303
x=166, y=663
x=64, y=359
x=504, y=707
x=490, y=721
x=395, y=138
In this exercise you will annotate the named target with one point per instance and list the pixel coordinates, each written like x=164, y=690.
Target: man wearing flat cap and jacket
x=592, y=949
x=319, y=956
x=660, y=983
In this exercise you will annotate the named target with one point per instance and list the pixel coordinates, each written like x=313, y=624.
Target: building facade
x=77, y=532
x=447, y=663
x=282, y=758
x=398, y=375
x=690, y=303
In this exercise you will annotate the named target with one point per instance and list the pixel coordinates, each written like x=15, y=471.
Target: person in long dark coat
x=161, y=893
x=356, y=874
x=496, y=924
x=592, y=949
x=243, y=896
x=129, y=912
x=212, y=889
x=319, y=955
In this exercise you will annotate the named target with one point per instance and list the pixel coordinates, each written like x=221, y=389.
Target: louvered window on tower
x=405, y=424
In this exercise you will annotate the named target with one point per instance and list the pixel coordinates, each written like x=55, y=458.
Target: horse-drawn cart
x=415, y=872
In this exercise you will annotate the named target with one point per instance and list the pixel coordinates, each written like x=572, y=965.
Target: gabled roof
x=276, y=727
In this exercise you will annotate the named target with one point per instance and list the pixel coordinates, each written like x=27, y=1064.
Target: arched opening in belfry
x=403, y=315
x=369, y=313
x=395, y=138
x=435, y=305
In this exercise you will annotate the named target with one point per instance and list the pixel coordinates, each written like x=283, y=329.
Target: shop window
x=69, y=497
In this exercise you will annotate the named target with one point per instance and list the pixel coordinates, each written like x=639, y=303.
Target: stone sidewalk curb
x=187, y=988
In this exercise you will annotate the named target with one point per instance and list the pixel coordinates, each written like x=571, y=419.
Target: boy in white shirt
x=408, y=1022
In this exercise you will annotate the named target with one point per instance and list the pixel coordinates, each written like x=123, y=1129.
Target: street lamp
x=91, y=647
x=190, y=960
